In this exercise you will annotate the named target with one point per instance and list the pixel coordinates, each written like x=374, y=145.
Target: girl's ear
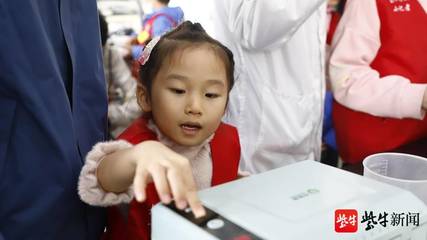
x=143, y=98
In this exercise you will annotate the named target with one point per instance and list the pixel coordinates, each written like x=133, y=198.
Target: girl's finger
x=178, y=188
x=195, y=204
x=140, y=182
x=191, y=195
x=158, y=174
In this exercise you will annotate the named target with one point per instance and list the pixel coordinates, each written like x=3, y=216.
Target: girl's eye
x=211, y=95
x=177, y=90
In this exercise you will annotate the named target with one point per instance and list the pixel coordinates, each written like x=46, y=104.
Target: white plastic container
x=402, y=170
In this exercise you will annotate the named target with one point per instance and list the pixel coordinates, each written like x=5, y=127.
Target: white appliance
x=296, y=202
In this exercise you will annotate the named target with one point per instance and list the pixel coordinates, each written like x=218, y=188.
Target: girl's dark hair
x=186, y=35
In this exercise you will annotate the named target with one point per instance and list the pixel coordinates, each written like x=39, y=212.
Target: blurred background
x=125, y=15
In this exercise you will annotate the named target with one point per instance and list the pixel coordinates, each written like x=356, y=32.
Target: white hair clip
x=147, y=50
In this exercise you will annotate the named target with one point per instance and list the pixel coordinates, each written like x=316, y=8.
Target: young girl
x=180, y=145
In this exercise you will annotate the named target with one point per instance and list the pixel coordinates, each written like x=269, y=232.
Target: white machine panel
x=296, y=202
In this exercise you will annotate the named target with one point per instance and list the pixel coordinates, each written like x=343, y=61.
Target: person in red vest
x=378, y=70
x=179, y=146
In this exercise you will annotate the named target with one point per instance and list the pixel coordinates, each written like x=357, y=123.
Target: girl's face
x=188, y=96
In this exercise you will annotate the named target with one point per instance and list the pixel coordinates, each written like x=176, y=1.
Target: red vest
x=225, y=152
x=403, y=52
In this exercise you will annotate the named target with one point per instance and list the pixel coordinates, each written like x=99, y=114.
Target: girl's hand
x=171, y=173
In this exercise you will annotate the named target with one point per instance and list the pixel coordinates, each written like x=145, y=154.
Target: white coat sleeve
x=263, y=24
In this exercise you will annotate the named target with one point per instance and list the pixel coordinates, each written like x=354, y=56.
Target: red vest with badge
x=135, y=222
x=403, y=52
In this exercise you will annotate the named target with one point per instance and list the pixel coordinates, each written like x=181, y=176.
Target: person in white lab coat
x=277, y=102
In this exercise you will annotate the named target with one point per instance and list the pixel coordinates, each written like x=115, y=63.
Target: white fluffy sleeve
x=89, y=189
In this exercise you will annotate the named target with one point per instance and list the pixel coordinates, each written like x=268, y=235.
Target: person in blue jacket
x=158, y=19
x=53, y=109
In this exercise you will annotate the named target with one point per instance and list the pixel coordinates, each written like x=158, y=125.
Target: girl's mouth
x=190, y=128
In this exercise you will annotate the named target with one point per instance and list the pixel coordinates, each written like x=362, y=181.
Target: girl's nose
x=194, y=106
